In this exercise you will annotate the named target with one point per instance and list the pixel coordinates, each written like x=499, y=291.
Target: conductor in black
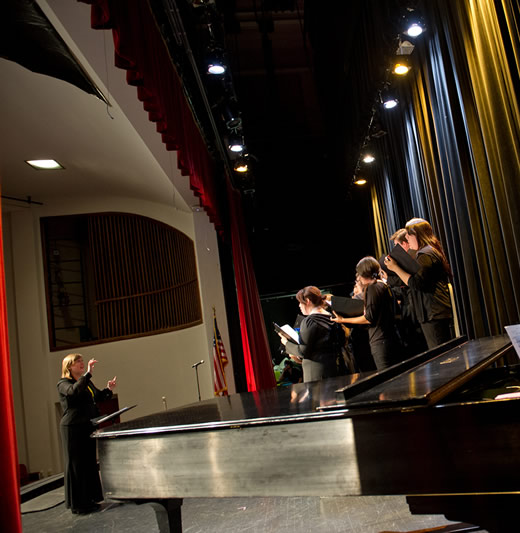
x=78, y=397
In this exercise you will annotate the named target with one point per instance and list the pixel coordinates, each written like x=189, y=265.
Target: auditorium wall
x=147, y=368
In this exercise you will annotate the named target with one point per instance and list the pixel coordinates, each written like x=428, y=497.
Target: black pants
x=383, y=353
x=82, y=483
x=437, y=332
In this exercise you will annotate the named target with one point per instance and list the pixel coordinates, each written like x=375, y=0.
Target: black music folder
x=105, y=418
x=404, y=259
x=286, y=331
x=347, y=307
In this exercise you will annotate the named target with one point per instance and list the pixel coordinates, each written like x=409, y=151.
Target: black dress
x=78, y=401
x=382, y=332
x=431, y=297
x=316, y=344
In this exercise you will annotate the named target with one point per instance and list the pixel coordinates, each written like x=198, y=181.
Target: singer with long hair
x=429, y=289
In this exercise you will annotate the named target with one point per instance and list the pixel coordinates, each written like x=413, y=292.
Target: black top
x=379, y=311
x=429, y=287
x=315, y=339
x=78, y=399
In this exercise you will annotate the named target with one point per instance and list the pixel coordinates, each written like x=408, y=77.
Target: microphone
x=197, y=364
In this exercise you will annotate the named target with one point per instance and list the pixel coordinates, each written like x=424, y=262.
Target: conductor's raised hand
x=90, y=365
x=112, y=383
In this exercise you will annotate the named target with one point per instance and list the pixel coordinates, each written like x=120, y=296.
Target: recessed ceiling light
x=44, y=164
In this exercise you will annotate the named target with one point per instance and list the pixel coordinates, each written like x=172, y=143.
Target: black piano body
x=428, y=428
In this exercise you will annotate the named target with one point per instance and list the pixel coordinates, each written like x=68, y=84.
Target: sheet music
x=104, y=418
x=514, y=334
x=288, y=332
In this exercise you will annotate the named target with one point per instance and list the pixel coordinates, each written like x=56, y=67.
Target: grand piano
x=428, y=428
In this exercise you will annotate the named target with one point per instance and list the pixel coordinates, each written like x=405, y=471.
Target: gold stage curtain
x=461, y=137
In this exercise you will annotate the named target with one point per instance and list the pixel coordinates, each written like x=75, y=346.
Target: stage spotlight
x=401, y=66
x=389, y=99
x=376, y=130
x=235, y=142
x=414, y=30
x=241, y=165
x=215, y=62
x=414, y=24
x=231, y=115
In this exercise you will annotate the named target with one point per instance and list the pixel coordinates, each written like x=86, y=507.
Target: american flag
x=220, y=361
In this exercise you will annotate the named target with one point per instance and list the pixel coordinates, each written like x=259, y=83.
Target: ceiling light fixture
x=360, y=181
x=44, y=164
x=368, y=158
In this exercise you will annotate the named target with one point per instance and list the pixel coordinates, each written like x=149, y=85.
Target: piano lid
x=420, y=385
x=431, y=381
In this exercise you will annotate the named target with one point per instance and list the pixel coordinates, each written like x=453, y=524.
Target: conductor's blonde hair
x=67, y=362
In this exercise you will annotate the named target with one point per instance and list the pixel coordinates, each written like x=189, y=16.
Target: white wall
x=147, y=368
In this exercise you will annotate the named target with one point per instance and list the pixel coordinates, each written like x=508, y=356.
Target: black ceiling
x=306, y=75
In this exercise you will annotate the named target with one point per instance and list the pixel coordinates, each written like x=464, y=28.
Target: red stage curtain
x=257, y=358
x=10, y=486
x=140, y=49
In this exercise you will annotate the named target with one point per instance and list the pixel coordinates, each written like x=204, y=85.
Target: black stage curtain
x=459, y=138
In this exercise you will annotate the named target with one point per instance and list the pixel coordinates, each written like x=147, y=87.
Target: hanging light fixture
x=413, y=24
x=235, y=142
x=414, y=30
x=241, y=165
x=368, y=158
x=359, y=181
x=401, y=65
x=231, y=115
x=215, y=62
x=389, y=98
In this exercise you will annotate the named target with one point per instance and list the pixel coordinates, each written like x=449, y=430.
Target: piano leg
x=168, y=514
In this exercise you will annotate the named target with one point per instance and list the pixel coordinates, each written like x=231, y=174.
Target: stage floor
x=366, y=514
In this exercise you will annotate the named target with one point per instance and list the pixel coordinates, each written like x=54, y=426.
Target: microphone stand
x=196, y=367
